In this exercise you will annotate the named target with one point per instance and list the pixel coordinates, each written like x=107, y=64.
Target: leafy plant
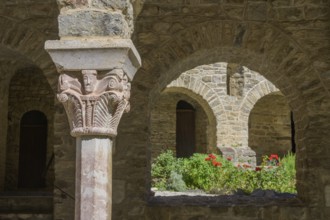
x=162, y=167
x=176, y=183
x=198, y=174
x=213, y=173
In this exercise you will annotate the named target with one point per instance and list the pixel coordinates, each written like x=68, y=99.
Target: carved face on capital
x=90, y=80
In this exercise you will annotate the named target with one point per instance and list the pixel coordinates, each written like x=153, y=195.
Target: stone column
x=96, y=60
x=94, y=178
x=94, y=87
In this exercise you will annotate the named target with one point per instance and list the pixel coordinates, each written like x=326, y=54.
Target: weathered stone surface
x=327, y=195
x=163, y=123
x=118, y=191
x=93, y=178
x=114, y=4
x=97, y=18
x=26, y=216
x=94, y=54
x=41, y=98
x=231, y=103
x=96, y=107
x=270, y=127
x=93, y=23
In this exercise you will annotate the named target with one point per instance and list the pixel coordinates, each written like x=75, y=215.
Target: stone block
x=93, y=23
x=94, y=54
x=291, y=14
x=257, y=11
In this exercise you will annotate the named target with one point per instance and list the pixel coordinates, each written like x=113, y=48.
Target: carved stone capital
x=95, y=105
x=95, y=100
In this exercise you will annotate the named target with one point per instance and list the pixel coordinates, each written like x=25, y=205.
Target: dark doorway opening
x=185, y=129
x=32, y=150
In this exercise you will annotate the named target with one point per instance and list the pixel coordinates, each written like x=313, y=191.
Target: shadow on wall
x=271, y=127
x=181, y=126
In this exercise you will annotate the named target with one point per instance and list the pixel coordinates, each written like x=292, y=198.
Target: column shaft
x=93, y=178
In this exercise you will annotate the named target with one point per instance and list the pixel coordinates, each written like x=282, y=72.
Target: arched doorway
x=32, y=150
x=185, y=129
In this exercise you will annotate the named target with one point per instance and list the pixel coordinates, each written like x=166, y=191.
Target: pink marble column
x=93, y=178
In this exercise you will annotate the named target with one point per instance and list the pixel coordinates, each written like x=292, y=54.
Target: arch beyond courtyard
x=108, y=75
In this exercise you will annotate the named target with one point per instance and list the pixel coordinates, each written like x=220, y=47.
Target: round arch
x=263, y=48
x=28, y=44
x=211, y=118
x=270, y=126
x=39, y=98
x=203, y=90
x=251, y=98
x=257, y=92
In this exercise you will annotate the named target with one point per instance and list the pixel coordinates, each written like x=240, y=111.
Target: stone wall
x=65, y=154
x=270, y=127
x=285, y=41
x=227, y=88
x=39, y=97
x=4, y=82
x=163, y=124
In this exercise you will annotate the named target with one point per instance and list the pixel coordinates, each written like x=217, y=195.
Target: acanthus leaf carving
x=96, y=107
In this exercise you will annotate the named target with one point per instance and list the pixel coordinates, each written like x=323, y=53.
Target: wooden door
x=32, y=150
x=185, y=130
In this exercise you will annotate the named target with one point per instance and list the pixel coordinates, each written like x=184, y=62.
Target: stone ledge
x=282, y=199
x=26, y=216
x=23, y=202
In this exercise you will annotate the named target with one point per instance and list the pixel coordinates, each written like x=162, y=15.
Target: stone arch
x=251, y=98
x=39, y=97
x=202, y=89
x=263, y=48
x=212, y=128
x=257, y=92
x=268, y=51
x=28, y=44
x=23, y=47
x=282, y=62
x=269, y=126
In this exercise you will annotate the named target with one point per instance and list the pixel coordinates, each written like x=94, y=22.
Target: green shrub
x=162, y=167
x=198, y=174
x=213, y=173
x=287, y=174
x=176, y=183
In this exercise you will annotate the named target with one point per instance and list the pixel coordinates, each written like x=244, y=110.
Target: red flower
x=273, y=156
x=216, y=164
x=212, y=156
x=229, y=158
x=258, y=168
x=207, y=158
